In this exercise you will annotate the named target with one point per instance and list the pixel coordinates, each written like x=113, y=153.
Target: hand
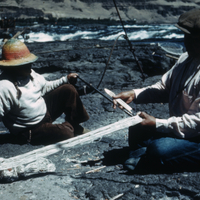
x=72, y=78
x=148, y=120
x=127, y=96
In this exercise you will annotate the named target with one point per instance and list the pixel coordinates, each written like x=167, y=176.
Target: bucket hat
x=189, y=22
x=15, y=54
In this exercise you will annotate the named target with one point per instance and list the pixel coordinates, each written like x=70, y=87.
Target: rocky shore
x=72, y=178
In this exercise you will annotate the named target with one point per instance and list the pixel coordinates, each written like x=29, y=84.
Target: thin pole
x=126, y=111
x=130, y=45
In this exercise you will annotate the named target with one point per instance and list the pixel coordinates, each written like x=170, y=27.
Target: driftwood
x=60, y=146
x=117, y=197
x=170, y=56
x=95, y=170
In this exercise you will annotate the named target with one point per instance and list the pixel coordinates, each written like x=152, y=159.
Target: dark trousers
x=164, y=151
x=63, y=99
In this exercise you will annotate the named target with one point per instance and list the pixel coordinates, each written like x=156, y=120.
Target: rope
x=108, y=60
x=131, y=47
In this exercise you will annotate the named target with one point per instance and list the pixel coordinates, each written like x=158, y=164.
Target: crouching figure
x=29, y=104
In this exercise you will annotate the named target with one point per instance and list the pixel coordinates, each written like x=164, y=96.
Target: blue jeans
x=164, y=151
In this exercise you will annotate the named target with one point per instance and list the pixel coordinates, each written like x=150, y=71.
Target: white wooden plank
x=82, y=139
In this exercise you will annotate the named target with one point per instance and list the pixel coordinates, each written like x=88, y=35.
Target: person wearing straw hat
x=173, y=143
x=29, y=104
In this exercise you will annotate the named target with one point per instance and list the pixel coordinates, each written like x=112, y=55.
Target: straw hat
x=189, y=22
x=15, y=53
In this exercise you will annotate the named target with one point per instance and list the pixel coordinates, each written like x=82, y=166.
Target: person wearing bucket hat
x=29, y=104
x=172, y=143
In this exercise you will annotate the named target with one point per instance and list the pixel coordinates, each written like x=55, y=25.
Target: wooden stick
x=60, y=146
x=118, y=196
x=126, y=111
x=17, y=34
x=174, y=57
x=20, y=32
x=94, y=170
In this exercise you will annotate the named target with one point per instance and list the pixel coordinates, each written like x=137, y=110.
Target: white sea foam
x=46, y=37
x=112, y=37
x=173, y=35
x=134, y=32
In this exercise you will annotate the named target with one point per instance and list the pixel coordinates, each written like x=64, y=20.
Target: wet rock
x=73, y=177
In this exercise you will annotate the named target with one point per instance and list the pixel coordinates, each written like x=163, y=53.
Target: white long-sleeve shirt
x=180, y=87
x=30, y=108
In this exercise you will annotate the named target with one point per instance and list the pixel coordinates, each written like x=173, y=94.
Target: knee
x=68, y=135
x=159, y=149
x=68, y=91
x=66, y=130
x=154, y=150
x=69, y=88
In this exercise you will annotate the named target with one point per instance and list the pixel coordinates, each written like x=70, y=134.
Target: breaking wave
x=138, y=33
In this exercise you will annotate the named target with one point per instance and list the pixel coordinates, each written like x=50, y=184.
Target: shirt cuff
x=65, y=79
x=162, y=125
x=138, y=91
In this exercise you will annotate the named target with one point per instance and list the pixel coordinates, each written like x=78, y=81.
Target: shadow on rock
x=11, y=179
x=145, y=166
x=8, y=138
x=115, y=156
x=12, y=139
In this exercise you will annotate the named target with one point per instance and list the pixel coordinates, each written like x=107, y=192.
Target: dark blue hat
x=189, y=22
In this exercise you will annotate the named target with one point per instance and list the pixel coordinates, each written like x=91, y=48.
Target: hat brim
x=183, y=29
x=18, y=62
